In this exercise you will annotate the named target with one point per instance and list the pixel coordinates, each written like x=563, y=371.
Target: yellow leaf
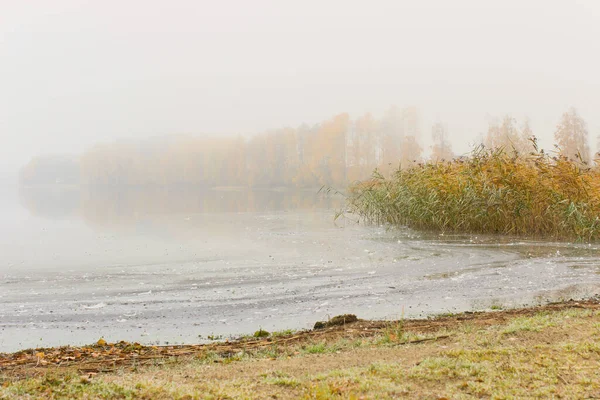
x=101, y=342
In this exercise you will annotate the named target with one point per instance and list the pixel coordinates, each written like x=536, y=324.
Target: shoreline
x=228, y=344
x=544, y=351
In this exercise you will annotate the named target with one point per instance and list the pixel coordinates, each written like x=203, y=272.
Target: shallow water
x=158, y=266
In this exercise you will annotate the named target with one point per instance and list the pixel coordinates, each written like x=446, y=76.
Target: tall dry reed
x=490, y=191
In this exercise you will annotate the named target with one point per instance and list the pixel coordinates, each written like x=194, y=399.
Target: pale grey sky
x=75, y=72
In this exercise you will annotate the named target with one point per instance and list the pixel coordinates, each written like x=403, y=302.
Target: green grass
x=537, y=354
x=529, y=324
x=540, y=321
x=285, y=332
x=491, y=191
x=261, y=333
x=316, y=348
x=283, y=381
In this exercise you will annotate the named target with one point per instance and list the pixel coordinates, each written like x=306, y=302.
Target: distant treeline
x=51, y=169
x=335, y=152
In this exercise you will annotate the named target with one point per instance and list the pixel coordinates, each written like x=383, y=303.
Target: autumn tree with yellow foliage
x=507, y=136
x=571, y=137
x=442, y=148
x=335, y=152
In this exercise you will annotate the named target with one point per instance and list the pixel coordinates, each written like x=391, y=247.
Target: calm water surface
x=158, y=266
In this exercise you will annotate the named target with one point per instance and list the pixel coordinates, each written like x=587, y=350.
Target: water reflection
x=180, y=262
x=99, y=206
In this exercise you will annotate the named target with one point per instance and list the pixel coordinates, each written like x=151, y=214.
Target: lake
x=161, y=266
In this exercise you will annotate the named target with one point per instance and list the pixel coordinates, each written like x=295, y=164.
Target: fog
x=170, y=156
x=75, y=73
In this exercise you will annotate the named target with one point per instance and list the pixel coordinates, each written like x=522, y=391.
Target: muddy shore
x=104, y=357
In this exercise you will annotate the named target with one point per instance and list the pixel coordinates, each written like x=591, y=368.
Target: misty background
x=75, y=73
x=169, y=156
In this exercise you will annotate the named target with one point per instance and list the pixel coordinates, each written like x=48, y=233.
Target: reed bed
x=491, y=191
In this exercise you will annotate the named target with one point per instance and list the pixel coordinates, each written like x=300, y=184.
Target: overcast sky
x=73, y=73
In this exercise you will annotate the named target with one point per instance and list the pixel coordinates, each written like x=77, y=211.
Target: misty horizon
x=76, y=74
x=190, y=183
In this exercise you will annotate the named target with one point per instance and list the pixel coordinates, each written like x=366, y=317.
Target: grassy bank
x=550, y=351
x=491, y=191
